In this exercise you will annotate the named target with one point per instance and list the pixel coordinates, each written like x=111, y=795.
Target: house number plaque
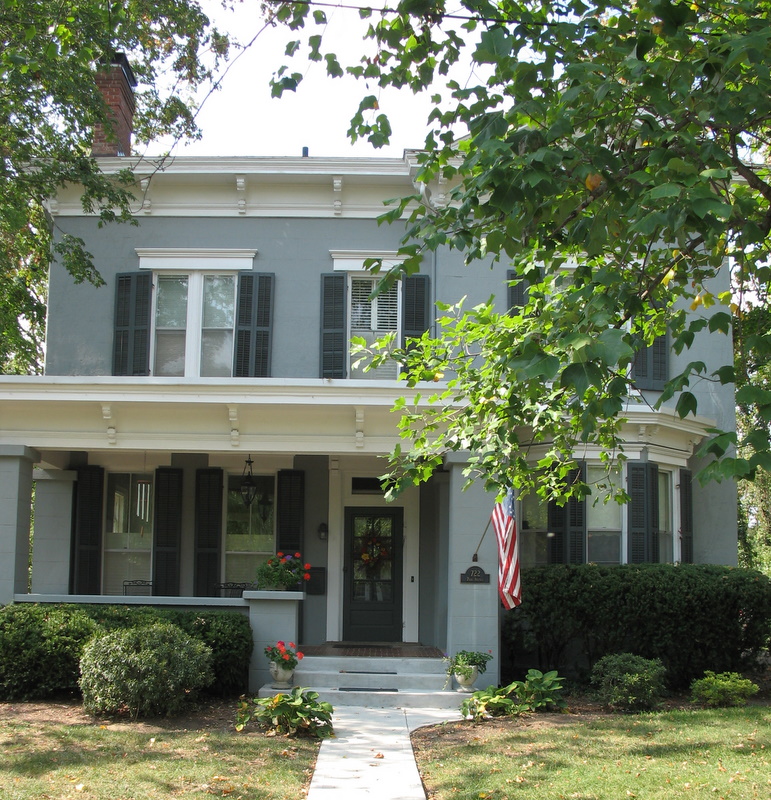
x=474, y=575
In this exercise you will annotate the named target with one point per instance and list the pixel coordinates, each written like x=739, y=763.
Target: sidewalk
x=371, y=756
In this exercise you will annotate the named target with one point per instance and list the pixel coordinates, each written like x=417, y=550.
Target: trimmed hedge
x=694, y=617
x=41, y=645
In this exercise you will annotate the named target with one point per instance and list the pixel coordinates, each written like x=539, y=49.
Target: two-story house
x=214, y=362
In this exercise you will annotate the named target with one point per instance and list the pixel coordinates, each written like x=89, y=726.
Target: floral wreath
x=373, y=551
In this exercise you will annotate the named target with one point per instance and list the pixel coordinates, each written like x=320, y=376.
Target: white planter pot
x=282, y=676
x=466, y=684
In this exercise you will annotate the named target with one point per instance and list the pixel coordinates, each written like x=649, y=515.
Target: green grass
x=87, y=760
x=721, y=753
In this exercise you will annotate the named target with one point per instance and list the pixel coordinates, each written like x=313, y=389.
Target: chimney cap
x=120, y=60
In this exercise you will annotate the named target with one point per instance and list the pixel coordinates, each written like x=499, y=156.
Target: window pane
x=604, y=547
x=128, y=566
x=249, y=537
x=602, y=511
x=666, y=555
x=534, y=548
x=171, y=302
x=170, y=353
x=218, y=301
x=534, y=513
x=217, y=354
x=361, y=306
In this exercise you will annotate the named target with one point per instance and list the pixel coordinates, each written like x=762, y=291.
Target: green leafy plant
x=281, y=571
x=626, y=682
x=537, y=691
x=297, y=713
x=286, y=655
x=723, y=689
x=463, y=662
x=148, y=671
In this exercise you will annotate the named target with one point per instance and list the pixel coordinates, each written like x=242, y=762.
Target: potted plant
x=282, y=571
x=283, y=660
x=465, y=666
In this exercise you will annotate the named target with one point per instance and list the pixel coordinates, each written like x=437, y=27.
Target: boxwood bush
x=694, y=617
x=152, y=670
x=40, y=645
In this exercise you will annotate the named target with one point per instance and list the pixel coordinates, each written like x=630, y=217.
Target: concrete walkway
x=371, y=756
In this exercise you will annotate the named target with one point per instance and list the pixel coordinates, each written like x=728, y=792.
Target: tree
x=627, y=139
x=49, y=104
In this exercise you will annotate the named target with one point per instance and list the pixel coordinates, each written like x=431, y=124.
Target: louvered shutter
x=517, y=292
x=642, y=512
x=168, y=531
x=208, y=530
x=567, y=527
x=650, y=369
x=290, y=509
x=686, y=516
x=415, y=307
x=254, y=325
x=86, y=561
x=334, y=347
x=131, y=337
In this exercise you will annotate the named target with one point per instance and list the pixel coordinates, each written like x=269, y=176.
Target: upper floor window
x=194, y=325
x=348, y=309
x=193, y=313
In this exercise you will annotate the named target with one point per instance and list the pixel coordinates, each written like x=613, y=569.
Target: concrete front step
x=428, y=666
x=369, y=698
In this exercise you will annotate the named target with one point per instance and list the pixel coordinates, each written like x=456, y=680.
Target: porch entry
x=372, y=602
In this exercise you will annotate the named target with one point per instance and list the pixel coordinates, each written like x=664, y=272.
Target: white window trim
x=353, y=260
x=165, y=259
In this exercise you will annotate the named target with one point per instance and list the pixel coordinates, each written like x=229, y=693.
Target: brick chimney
x=116, y=82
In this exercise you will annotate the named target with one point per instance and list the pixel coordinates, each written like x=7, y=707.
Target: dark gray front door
x=373, y=575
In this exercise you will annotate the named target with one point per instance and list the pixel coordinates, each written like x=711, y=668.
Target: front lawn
x=722, y=753
x=54, y=750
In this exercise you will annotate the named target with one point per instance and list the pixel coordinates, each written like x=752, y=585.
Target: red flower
x=307, y=576
x=307, y=566
x=292, y=645
x=285, y=656
x=280, y=555
x=299, y=655
x=298, y=555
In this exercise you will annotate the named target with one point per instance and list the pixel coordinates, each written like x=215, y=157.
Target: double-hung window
x=194, y=325
x=194, y=314
x=350, y=310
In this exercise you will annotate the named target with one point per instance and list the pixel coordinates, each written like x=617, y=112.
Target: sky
x=242, y=119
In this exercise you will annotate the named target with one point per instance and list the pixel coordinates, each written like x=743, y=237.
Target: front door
x=372, y=610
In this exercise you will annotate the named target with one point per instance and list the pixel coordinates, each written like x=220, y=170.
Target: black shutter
x=642, y=512
x=168, y=531
x=290, y=509
x=567, y=527
x=86, y=561
x=208, y=530
x=415, y=307
x=517, y=292
x=334, y=344
x=131, y=338
x=254, y=321
x=650, y=369
x=686, y=516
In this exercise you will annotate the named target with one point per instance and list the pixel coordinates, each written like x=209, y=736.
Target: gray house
x=217, y=355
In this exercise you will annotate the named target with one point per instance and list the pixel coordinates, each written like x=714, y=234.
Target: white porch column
x=472, y=612
x=15, y=504
x=52, y=544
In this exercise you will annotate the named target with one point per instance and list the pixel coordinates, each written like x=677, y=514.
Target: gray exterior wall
x=297, y=251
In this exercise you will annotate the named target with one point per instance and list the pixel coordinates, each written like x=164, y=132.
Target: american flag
x=505, y=525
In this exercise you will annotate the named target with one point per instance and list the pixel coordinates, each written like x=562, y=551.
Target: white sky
x=242, y=119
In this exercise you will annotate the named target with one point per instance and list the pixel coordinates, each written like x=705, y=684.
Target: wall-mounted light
x=323, y=531
x=248, y=486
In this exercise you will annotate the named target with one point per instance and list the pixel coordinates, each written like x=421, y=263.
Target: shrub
x=298, y=713
x=148, y=671
x=626, y=682
x=40, y=648
x=725, y=689
x=693, y=617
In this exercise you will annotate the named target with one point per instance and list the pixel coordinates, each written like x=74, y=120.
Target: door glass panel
x=372, y=558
